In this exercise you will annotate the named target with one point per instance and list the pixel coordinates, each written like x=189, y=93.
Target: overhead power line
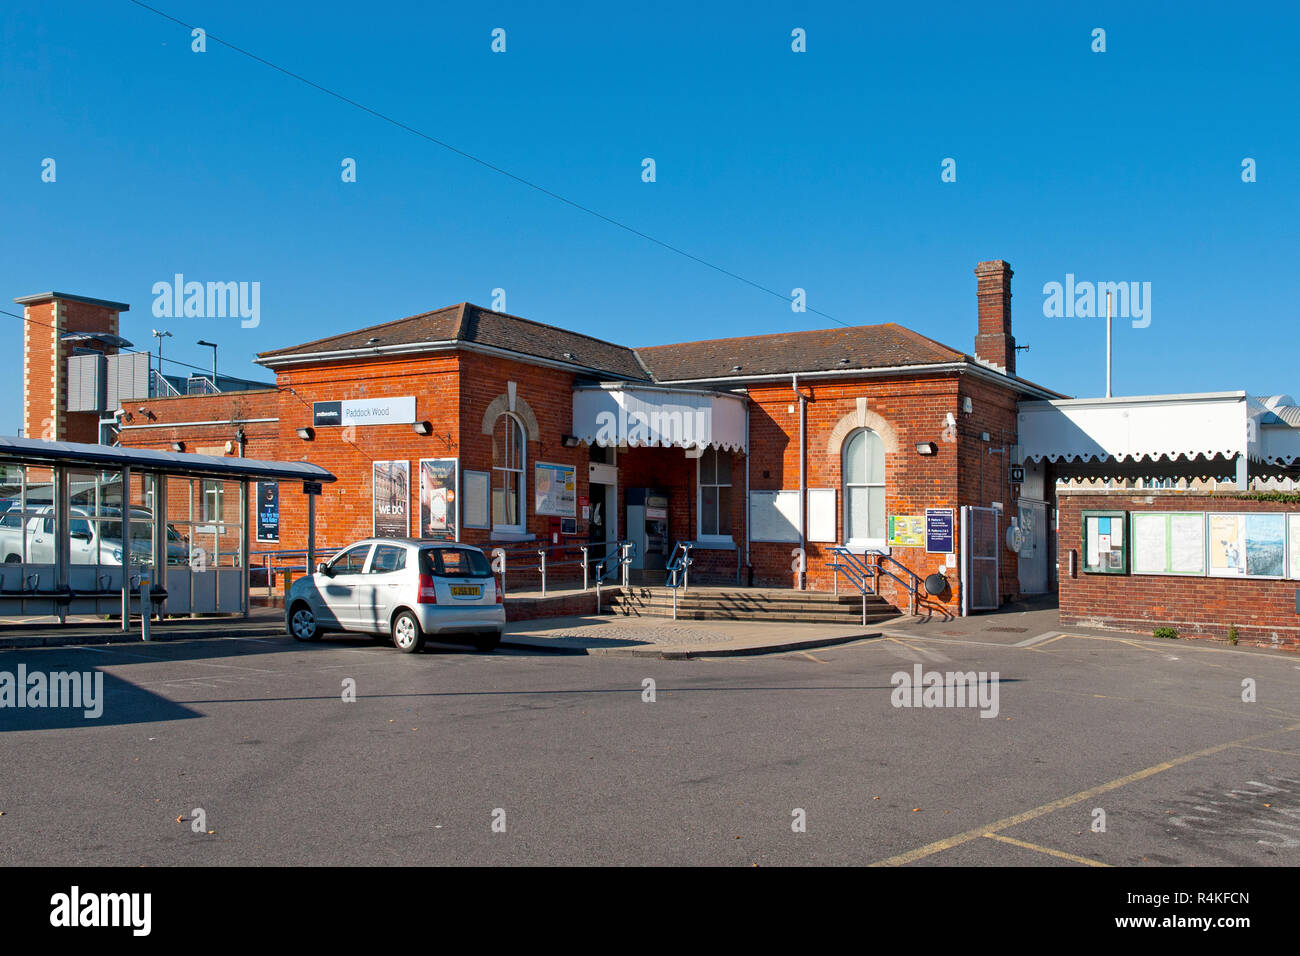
x=485, y=163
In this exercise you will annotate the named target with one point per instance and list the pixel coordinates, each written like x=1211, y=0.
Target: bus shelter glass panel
x=207, y=517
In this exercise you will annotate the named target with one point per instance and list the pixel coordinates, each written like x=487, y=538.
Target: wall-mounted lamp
x=967, y=405
x=569, y=441
x=984, y=436
x=422, y=428
x=926, y=448
x=178, y=446
x=307, y=434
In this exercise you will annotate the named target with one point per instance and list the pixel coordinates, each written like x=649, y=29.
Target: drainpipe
x=747, y=452
x=803, y=478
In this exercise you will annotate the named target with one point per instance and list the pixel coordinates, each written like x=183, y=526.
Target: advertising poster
x=906, y=531
x=438, y=498
x=1293, y=536
x=1266, y=545
x=1227, y=539
x=555, y=490
x=391, y=491
x=268, y=511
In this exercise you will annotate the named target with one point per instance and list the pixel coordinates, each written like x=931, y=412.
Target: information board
x=905, y=531
x=1105, y=548
x=474, y=500
x=555, y=490
x=940, y=534
x=774, y=516
x=1168, y=542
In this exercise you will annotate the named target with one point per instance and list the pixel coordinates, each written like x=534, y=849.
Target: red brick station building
x=508, y=433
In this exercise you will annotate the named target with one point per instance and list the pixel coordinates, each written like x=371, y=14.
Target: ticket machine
x=647, y=527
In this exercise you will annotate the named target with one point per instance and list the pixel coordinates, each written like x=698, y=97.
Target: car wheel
x=302, y=624
x=12, y=559
x=487, y=642
x=407, y=634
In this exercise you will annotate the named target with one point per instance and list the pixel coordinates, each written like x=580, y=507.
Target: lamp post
x=160, y=334
x=213, y=346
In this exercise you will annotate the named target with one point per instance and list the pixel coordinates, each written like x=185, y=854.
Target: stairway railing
x=864, y=571
x=679, y=570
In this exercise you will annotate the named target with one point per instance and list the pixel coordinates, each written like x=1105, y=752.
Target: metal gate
x=979, y=559
x=1032, y=558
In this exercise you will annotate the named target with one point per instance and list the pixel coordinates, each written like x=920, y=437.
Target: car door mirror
x=81, y=535
x=323, y=568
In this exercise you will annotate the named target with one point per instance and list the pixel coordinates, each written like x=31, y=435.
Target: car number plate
x=466, y=592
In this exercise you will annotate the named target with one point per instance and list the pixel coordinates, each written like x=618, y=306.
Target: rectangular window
x=212, y=500
x=715, y=494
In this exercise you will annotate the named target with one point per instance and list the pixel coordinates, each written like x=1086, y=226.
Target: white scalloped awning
x=1143, y=427
x=662, y=417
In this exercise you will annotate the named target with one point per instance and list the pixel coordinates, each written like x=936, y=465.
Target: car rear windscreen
x=454, y=563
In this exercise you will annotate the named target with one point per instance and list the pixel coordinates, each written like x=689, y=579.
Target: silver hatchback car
x=404, y=587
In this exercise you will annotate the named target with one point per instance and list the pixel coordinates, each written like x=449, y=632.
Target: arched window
x=864, y=488
x=508, y=460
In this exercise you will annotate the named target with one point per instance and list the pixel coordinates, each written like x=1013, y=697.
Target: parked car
x=402, y=587
x=93, y=542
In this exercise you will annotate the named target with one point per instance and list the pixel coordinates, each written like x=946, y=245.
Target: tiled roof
x=820, y=350
x=857, y=347
x=471, y=324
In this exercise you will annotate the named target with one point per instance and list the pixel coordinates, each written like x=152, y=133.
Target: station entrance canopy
x=1223, y=435
x=82, y=526
x=617, y=414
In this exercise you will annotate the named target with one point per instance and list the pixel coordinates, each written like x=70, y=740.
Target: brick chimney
x=993, y=342
x=51, y=315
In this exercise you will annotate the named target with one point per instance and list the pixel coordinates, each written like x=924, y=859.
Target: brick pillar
x=994, y=342
x=45, y=357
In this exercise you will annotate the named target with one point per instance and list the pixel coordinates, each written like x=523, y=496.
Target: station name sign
x=365, y=411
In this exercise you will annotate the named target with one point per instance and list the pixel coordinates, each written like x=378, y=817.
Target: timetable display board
x=1165, y=542
x=1105, y=545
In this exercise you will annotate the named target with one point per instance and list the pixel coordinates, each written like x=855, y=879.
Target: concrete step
x=724, y=604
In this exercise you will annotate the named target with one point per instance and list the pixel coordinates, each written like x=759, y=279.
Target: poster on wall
x=268, y=511
x=438, y=498
x=474, y=500
x=555, y=490
x=1104, y=547
x=1266, y=545
x=939, y=531
x=1227, y=540
x=905, y=531
x=1293, y=537
x=1169, y=543
x=391, y=491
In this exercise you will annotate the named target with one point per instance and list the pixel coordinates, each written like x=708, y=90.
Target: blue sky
x=818, y=170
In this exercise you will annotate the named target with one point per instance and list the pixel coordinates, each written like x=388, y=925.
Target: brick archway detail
x=500, y=405
x=862, y=417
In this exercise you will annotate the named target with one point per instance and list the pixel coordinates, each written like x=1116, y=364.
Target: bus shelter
x=84, y=528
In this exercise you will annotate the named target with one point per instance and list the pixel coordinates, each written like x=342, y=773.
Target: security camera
x=141, y=409
x=119, y=413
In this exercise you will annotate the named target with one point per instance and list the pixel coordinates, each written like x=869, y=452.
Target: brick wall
x=45, y=367
x=1263, y=610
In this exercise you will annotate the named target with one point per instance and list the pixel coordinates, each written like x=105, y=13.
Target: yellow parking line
x=948, y=843
x=1045, y=849
x=1270, y=750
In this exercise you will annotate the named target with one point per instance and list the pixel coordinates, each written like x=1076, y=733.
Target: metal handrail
x=866, y=576
x=626, y=552
x=679, y=570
